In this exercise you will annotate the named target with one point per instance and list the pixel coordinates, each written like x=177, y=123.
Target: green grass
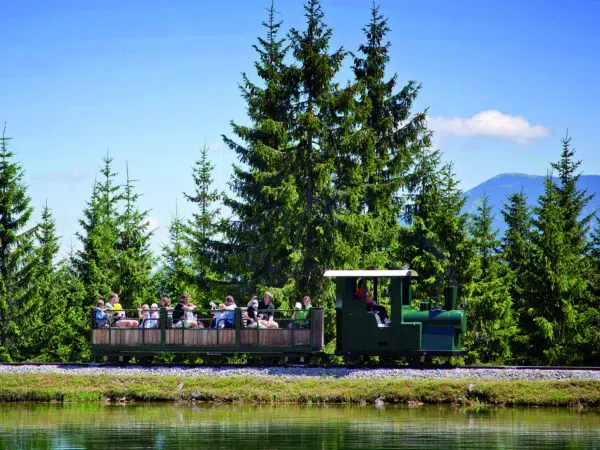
x=102, y=388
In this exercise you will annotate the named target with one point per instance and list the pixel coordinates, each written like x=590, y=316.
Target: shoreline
x=108, y=388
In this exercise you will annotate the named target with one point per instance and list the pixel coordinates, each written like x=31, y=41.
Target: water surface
x=48, y=426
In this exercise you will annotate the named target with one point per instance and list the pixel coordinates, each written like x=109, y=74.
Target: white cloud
x=491, y=123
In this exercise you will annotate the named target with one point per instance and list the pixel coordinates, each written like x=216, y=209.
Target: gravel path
x=294, y=372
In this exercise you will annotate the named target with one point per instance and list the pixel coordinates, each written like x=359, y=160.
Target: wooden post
x=163, y=327
x=237, y=322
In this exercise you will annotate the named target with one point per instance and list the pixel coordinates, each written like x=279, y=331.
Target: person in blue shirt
x=228, y=316
x=100, y=317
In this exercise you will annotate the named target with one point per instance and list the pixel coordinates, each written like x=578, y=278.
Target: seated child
x=100, y=317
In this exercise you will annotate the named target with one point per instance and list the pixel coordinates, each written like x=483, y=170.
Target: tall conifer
x=558, y=274
x=203, y=229
x=516, y=253
x=392, y=135
x=17, y=256
x=135, y=257
x=324, y=117
x=489, y=308
x=265, y=192
x=177, y=275
x=98, y=260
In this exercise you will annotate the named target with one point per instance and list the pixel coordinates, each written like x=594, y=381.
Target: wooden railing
x=238, y=337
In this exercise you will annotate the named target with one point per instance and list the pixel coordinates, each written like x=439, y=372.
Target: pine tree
x=391, y=137
x=135, y=257
x=259, y=232
x=489, y=309
x=177, y=275
x=203, y=229
x=98, y=260
x=18, y=307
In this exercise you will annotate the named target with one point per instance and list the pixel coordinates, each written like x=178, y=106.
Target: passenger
x=120, y=319
x=297, y=316
x=165, y=303
x=153, y=319
x=251, y=314
x=371, y=305
x=114, y=298
x=144, y=315
x=109, y=306
x=267, y=308
x=184, y=305
x=228, y=317
x=307, y=307
x=217, y=314
x=100, y=317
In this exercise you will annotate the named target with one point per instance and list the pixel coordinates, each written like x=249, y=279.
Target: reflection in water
x=278, y=427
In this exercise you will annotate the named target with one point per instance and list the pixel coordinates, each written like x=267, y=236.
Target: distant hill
x=503, y=185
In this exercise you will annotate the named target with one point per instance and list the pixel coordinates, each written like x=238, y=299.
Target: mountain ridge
x=499, y=187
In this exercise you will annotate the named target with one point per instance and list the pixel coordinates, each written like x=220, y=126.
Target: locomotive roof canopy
x=370, y=273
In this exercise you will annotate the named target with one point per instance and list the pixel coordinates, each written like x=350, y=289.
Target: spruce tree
x=51, y=320
x=177, y=274
x=18, y=308
x=489, y=308
x=392, y=136
x=98, y=260
x=558, y=273
x=322, y=131
x=436, y=242
x=265, y=192
x=591, y=326
x=135, y=257
x=421, y=248
x=203, y=229
x=516, y=253
x=67, y=336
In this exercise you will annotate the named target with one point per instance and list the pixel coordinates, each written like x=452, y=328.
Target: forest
x=330, y=175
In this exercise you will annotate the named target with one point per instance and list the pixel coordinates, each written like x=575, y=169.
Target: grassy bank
x=102, y=388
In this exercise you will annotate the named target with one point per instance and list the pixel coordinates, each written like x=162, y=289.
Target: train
x=361, y=331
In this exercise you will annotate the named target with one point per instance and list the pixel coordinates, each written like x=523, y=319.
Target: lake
x=166, y=426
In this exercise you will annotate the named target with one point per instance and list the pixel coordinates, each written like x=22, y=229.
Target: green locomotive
x=360, y=331
x=363, y=327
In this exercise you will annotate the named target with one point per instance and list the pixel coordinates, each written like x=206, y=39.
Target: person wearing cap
x=297, y=316
x=251, y=315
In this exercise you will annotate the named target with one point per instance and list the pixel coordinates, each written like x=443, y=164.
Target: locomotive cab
x=362, y=331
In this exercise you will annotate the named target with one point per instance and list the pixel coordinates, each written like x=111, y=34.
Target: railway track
x=316, y=366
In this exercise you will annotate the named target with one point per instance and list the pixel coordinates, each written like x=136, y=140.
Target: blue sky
x=152, y=80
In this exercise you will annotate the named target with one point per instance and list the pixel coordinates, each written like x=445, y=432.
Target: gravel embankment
x=294, y=372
